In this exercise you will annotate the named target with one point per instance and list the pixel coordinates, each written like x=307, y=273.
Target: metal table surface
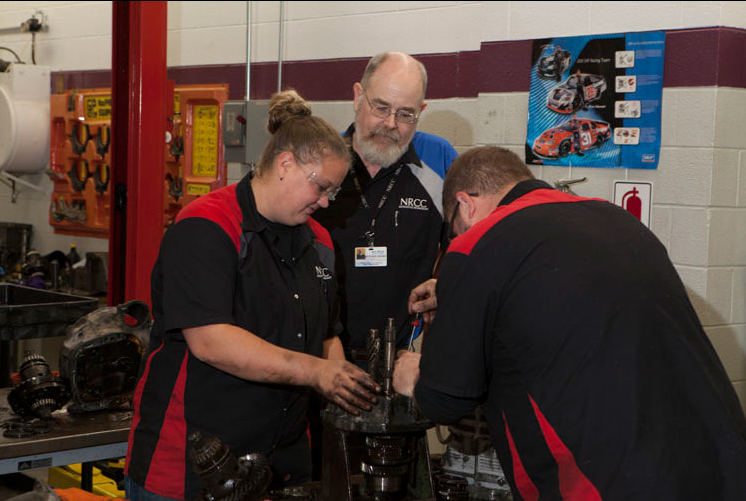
x=73, y=438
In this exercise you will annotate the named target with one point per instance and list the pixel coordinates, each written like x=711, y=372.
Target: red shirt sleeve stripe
x=137, y=397
x=523, y=482
x=574, y=485
x=166, y=476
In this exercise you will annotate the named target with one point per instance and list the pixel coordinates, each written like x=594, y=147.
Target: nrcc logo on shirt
x=323, y=273
x=413, y=203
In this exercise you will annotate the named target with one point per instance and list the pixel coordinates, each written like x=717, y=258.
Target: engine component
x=39, y=392
x=469, y=455
x=102, y=353
x=225, y=477
x=388, y=443
x=451, y=488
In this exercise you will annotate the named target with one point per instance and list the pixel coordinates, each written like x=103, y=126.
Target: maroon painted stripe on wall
x=698, y=57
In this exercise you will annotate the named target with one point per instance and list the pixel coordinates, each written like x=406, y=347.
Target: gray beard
x=372, y=154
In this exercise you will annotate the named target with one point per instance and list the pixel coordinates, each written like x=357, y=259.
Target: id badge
x=370, y=256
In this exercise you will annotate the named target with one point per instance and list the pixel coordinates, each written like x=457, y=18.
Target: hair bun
x=284, y=106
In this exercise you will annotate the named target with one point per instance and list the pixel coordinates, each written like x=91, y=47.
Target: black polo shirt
x=565, y=317
x=409, y=225
x=222, y=262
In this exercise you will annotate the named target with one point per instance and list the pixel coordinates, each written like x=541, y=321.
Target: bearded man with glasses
x=387, y=222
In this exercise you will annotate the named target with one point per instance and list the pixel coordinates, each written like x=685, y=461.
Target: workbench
x=73, y=438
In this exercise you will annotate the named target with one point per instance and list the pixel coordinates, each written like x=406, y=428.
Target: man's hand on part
x=422, y=300
x=406, y=373
x=347, y=385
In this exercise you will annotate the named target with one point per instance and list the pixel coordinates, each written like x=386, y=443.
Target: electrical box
x=79, y=157
x=245, y=130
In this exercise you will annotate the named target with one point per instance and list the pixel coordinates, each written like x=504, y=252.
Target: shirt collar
x=252, y=220
x=522, y=188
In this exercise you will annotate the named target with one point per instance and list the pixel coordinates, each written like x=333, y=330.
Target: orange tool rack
x=80, y=147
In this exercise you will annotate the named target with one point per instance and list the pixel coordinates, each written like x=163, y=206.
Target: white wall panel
x=733, y=14
x=702, y=13
x=683, y=177
x=295, y=11
x=730, y=343
x=693, y=119
x=689, y=234
x=490, y=123
x=660, y=223
x=739, y=293
x=516, y=118
x=725, y=178
x=77, y=20
x=669, y=112
x=530, y=20
x=73, y=54
x=495, y=21
x=742, y=179
x=226, y=45
x=719, y=295
x=452, y=119
x=613, y=17
x=416, y=32
x=730, y=125
x=727, y=246
x=186, y=15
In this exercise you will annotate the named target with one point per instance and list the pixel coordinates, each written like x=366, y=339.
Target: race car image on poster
x=576, y=135
x=553, y=65
x=576, y=92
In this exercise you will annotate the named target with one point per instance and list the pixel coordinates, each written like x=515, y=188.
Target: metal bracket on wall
x=11, y=182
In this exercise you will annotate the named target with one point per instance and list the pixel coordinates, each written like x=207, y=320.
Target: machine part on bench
x=451, y=488
x=388, y=444
x=225, y=477
x=102, y=353
x=25, y=427
x=39, y=393
x=469, y=454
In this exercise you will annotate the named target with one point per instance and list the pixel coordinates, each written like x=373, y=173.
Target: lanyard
x=371, y=232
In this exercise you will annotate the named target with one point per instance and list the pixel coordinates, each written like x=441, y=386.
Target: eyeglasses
x=322, y=189
x=383, y=111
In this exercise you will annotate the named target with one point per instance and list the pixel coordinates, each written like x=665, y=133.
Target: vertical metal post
x=138, y=146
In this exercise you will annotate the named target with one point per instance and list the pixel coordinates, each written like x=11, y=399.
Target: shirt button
x=296, y=296
x=300, y=335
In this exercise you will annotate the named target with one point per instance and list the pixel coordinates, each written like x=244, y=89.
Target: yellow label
x=177, y=104
x=205, y=140
x=197, y=189
x=97, y=107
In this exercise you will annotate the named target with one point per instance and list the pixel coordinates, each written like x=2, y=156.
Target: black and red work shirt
x=565, y=318
x=222, y=262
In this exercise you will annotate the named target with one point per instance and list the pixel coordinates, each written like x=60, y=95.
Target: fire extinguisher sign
x=635, y=197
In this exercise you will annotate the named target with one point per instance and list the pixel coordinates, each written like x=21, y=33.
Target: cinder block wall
x=699, y=190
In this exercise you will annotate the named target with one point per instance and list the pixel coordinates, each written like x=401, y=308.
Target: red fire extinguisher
x=633, y=205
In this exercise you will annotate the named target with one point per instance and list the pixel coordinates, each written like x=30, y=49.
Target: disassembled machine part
x=469, y=455
x=225, y=477
x=102, y=353
x=387, y=444
x=39, y=392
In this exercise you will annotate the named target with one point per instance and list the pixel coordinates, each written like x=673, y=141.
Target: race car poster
x=595, y=101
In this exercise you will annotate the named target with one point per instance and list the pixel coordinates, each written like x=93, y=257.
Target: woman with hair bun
x=243, y=300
